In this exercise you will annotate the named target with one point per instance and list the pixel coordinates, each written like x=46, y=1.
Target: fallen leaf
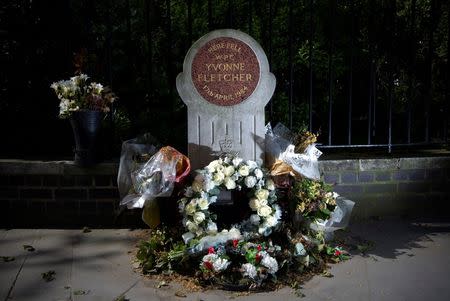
x=161, y=284
x=29, y=248
x=121, y=298
x=180, y=294
x=327, y=274
x=49, y=276
x=8, y=258
x=67, y=287
x=81, y=292
x=86, y=230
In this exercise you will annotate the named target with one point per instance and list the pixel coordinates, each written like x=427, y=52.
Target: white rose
x=203, y=204
x=236, y=161
x=270, y=185
x=263, y=211
x=220, y=168
x=244, y=170
x=250, y=181
x=218, y=178
x=262, y=194
x=212, y=166
x=229, y=170
x=254, y=204
x=199, y=217
x=190, y=208
x=229, y=183
x=263, y=202
x=255, y=219
x=258, y=173
x=192, y=227
x=271, y=221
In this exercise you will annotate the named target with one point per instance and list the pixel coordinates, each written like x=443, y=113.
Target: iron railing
x=337, y=71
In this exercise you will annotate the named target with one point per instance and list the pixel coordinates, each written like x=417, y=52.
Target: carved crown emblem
x=226, y=145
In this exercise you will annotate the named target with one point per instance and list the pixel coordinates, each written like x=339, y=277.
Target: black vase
x=86, y=126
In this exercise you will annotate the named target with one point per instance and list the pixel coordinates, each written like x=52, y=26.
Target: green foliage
x=313, y=199
x=159, y=252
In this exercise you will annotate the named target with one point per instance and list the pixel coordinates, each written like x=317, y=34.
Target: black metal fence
x=363, y=73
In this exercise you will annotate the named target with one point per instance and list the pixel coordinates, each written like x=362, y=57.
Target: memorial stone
x=225, y=84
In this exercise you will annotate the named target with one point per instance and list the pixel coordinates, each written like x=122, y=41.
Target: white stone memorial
x=225, y=84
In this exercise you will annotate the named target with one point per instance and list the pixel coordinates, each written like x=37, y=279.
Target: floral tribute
x=79, y=93
x=229, y=173
x=283, y=240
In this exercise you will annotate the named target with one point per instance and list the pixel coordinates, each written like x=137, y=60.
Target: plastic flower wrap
x=156, y=178
x=282, y=146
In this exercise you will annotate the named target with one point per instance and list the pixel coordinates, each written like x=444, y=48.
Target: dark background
x=360, y=72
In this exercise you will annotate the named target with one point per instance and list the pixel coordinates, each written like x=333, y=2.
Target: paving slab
x=409, y=261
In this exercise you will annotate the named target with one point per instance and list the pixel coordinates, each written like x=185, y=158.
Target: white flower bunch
x=77, y=94
x=214, y=263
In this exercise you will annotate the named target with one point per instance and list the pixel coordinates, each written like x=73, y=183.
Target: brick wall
x=58, y=193
x=395, y=186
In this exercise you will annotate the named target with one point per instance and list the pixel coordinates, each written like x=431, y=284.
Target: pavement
x=410, y=261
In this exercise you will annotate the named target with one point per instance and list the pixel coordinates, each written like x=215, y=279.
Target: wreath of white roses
x=229, y=173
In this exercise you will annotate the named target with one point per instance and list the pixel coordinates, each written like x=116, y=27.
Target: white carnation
x=255, y=219
x=234, y=233
x=211, y=228
x=229, y=183
x=199, y=217
x=208, y=185
x=270, y=263
x=248, y=270
x=258, y=173
x=262, y=194
x=264, y=211
x=250, y=181
x=244, y=170
x=221, y=264
x=251, y=164
x=236, y=161
x=278, y=212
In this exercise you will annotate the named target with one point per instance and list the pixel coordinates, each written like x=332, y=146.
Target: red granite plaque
x=225, y=71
